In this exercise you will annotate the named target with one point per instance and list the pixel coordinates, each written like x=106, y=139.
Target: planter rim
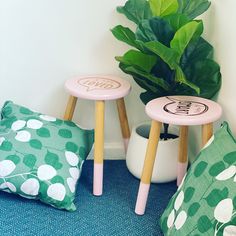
x=134, y=129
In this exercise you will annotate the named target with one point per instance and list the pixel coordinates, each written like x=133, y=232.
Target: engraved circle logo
x=185, y=108
x=93, y=83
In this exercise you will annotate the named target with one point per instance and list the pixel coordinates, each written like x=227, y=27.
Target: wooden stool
x=99, y=89
x=177, y=110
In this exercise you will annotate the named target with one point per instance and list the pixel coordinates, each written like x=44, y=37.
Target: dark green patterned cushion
x=205, y=203
x=41, y=157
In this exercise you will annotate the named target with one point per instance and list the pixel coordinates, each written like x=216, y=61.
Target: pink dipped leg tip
x=126, y=143
x=97, y=179
x=142, y=198
x=182, y=168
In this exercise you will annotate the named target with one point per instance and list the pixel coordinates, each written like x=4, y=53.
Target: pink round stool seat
x=183, y=110
x=98, y=87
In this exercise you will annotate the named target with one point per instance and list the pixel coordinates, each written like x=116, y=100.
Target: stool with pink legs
x=99, y=89
x=184, y=111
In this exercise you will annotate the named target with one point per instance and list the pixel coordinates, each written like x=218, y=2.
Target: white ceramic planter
x=165, y=167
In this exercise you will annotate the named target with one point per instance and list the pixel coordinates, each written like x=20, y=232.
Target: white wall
x=45, y=42
x=220, y=31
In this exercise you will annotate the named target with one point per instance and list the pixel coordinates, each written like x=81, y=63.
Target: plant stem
x=166, y=126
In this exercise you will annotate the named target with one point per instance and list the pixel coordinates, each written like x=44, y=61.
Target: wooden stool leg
x=207, y=132
x=148, y=167
x=98, y=148
x=183, y=154
x=70, y=108
x=123, y=121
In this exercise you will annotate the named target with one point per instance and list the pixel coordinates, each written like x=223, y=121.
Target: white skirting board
x=112, y=151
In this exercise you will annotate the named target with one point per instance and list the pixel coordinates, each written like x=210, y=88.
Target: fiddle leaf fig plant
x=168, y=55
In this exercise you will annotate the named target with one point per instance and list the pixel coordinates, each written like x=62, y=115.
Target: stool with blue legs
x=184, y=111
x=99, y=89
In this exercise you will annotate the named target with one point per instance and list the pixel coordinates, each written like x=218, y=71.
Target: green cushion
x=205, y=203
x=41, y=157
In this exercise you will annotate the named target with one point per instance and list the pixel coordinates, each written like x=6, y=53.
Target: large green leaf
x=125, y=35
x=162, y=70
x=145, y=85
x=200, y=69
x=138, y=79
x=193, y=8
x=155, y=29
x=153, y=85
x=176, y=21
x=184, y=35
x=148, y=96
x=181, y=78
x=136, y=10
x=196, y=51
x=154, y=80
x=206, y=75
x=168, y=55
x=138, y=59
x=163, y=7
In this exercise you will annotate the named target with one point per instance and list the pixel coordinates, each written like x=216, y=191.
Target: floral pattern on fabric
x=41, y=157
x=205, y=202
